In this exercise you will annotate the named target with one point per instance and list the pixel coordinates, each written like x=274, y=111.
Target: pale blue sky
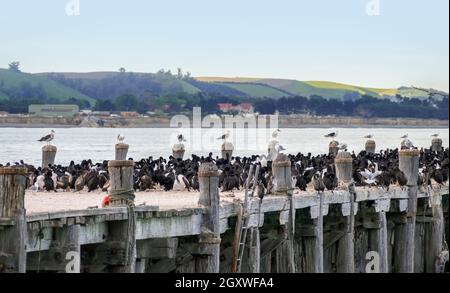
x=407, y=44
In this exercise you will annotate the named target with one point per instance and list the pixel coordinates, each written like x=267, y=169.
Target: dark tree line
x=365, y=107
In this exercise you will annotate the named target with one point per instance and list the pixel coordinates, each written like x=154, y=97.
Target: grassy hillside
x=12, y=82
x=257, y=90
x=325, y=89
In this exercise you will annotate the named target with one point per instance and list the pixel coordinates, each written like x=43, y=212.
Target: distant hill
x=31, y=86
x=326, y=89
x=92, y=86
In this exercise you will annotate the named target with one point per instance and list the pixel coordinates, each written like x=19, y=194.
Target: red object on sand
x=105, y=201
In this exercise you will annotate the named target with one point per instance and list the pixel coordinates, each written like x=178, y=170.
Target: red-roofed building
x=241, y=108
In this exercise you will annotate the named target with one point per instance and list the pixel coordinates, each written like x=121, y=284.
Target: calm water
x=98, y=144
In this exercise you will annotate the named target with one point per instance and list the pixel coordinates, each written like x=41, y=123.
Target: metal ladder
x=243, y=222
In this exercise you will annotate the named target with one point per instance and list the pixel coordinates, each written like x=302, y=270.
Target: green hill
x=327, y=89
x=24, y=84
x=257, y=90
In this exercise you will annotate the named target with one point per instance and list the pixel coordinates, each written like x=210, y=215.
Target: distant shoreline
x=164, y=122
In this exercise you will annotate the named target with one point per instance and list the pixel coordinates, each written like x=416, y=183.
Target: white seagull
x=120, y=138
x=225, y=136
x=370, y=176
x=408, y=143
x=342, y=146
x=279, y=148
x=276, y=133
x=48, y=138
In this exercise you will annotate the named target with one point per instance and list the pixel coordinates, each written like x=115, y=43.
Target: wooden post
x=48, y=155
x=254, y=254
x=375, y=222
x=122, y=234
x=63, y=256
x=343, y=163
x=346, y=245
x=333, y=148
x=121, y=151
x=370, y=146
x=178, y=151
x=434, y=234
x=227, y=150
x=13, y=226
x=310, y=237
x=281, y=169
x=208, y=259
x=436, y=144
x=405, y=233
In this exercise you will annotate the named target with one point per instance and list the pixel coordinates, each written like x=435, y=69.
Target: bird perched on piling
x=276, y=133
x=332, y=135
x=407, y=144
x=225, y=136
x=120, y=138
x=342, y=147
x=48, y=138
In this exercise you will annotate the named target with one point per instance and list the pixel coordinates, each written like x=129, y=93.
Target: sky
x=375, y=43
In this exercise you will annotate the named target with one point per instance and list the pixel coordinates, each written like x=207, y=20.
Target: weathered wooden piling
x=13, y=226
x=374, y=222
x=208, y=258
x=121, y=244
x=48, y=155
x=227, y=150
x=346, y=246
x=281, y=169
x=309, y=238
x=178, y=150
x=121, y=151
x=333, y=148
x=370, y=146
x=64, y=254
x=405, y=233
x=343, y=163
x=436, y=144
x=433, y=233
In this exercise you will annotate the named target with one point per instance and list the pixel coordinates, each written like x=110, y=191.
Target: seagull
x=332, y=135
x=370, y=136
x=120, y=138
x=181, y=138
x=279, y=148
x=225, y=136
x=342, y=146
x=276, y=133
x=48, y=138
x=408, y=144
x=370, y=176
x=404, y=136
x=435, y=135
